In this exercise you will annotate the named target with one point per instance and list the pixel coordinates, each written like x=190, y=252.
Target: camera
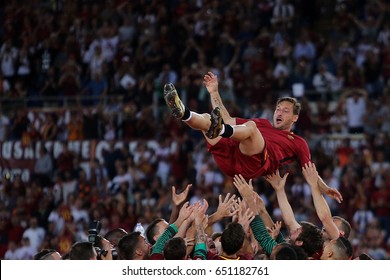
x=93, y=231
x=96, y=240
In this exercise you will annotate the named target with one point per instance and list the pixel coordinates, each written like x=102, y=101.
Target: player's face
x=284, y=116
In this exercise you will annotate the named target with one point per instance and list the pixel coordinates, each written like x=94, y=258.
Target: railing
x=55, y=102
x=334, y=140
x=48, y=102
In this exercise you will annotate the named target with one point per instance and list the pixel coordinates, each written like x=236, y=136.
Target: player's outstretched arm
x=210, y=81
x=322, y=208
x=278, y=183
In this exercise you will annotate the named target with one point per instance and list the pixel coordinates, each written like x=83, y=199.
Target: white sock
x=222, y=130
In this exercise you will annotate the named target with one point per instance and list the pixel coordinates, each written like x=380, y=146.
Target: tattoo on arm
x=200, y=235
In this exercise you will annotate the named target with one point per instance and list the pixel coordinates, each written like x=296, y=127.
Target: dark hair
x=127, y=245
x=232, y=238
x=215, y=235
x=81, y=251
x=175, y=249
x=344, y=247
x=345, y=226
x=286, y=252
x=301, y=254
x=151, y=230
x=41, y=255
x=294, y=101
x=115, y=235
x=311, y=238
x=364, y=256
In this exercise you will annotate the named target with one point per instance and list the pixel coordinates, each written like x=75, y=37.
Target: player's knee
x=252, y=126
x=206, y=116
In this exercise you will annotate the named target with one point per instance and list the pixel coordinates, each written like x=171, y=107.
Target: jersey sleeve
x=158, y=248
x=261, y=235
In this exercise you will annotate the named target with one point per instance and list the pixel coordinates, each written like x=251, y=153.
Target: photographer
x=104, y=249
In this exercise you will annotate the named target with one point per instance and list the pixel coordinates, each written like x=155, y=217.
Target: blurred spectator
x=8, y=58
x=362, y=218
x=323, y=81
x=49, y=127
x=283, y=14
x=5, y=86
x=44, y=167
x=354, y=102
x=10, y=254
x=65, y=160
x=26, y=251
x=304, y=48
x=19, y=124
x=4, y=125
x=372, y=68
x=95, y=60
x=96, y=90
x=338, y=121
x=92, y=129
x=49, y=89
x=34, y=233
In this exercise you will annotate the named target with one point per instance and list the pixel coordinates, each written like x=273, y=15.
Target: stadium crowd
x=94, y=71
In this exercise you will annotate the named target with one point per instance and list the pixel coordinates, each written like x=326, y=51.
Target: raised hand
x=310, y=173
x=276, y=181
x=225, y=207
x=334, y=193
x=244, y=188
x=200, y=209
x=178, y=199
x=210, y=81
x=275, y=230
x=245, y=216
x=184, y=213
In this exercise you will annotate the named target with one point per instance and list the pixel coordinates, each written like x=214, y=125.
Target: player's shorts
x=232, y=162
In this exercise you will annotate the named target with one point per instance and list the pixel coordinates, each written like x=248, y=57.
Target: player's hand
x=335, y=194
x=310, y=173
x=225, y=206
x=245, y=189
x=275, y=230
x=276, y=181
x=180, y=198
x=210, y=81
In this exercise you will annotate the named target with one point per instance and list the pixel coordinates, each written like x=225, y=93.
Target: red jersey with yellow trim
x=281, y=148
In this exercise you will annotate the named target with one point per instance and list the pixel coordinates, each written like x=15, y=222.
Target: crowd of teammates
x=124, y=52
x=249, y=234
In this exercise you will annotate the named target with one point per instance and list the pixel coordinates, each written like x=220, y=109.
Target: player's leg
x=249, y=136
x=192, y=119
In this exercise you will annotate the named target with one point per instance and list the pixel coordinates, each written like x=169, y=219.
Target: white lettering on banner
x=18, y=159
x=24, y=173
x=6, y=150
x=29, y=152
x=86, y=149
x=16, y=150
x=74, y=146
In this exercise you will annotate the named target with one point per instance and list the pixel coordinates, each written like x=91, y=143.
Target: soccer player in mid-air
x=250, y=147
